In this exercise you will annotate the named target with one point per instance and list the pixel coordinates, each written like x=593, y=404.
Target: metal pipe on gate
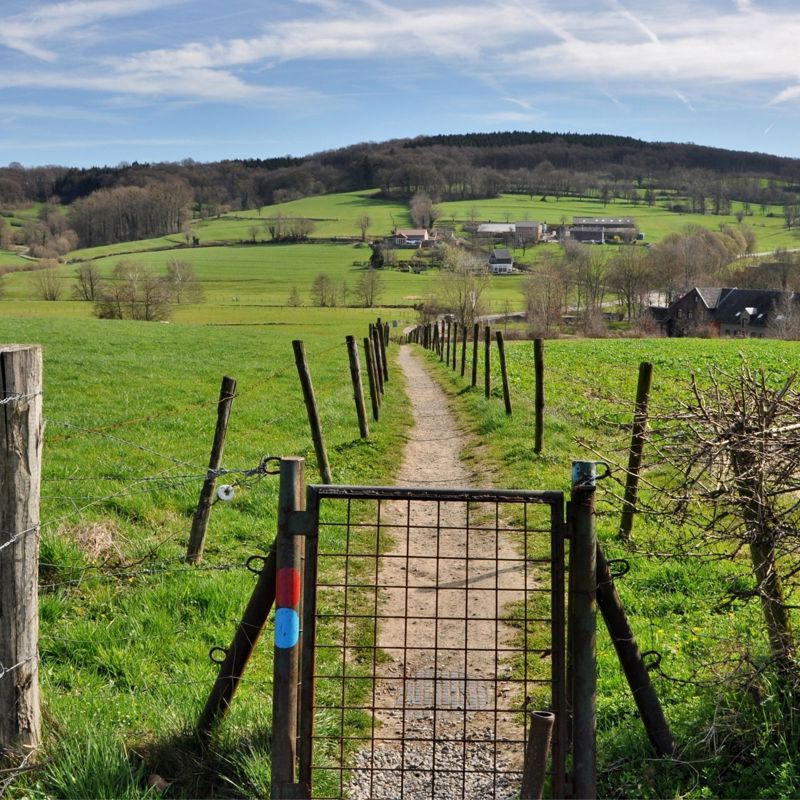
x=583, y=603
x=535, y=766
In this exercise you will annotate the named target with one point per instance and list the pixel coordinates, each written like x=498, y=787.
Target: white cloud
x=24, y=32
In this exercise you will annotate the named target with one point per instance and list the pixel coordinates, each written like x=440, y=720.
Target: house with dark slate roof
x=501, y=262
x=733, y=313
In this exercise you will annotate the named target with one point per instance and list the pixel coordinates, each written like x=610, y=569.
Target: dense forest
x=444, y=167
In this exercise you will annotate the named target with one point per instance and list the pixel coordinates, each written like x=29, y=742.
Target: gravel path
x=443, y=729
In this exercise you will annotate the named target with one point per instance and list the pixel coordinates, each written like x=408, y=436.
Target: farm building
x=496, y=228
x=529, y=232
x=501, y=262
x=601, y=230
x=738, y=313
x=410, y=237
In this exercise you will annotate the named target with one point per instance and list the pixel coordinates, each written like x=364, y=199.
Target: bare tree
x=182, y=282
x=47, y=282
x=732, y=450
x=369, y=287
x=630, y=277
x=323, y=290
x=88, y=282
x=423, y=212
x=364, y=222
x=463, y=283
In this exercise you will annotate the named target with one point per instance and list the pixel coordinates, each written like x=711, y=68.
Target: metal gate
x=432, y=621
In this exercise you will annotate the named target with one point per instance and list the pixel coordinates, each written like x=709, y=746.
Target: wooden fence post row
x=20, y=487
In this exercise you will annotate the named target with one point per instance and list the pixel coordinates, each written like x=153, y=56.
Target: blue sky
x=93, y=82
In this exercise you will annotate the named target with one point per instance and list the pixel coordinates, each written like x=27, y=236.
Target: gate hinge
x=301, y=523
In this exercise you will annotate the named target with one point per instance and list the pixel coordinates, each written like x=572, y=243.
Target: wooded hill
x=446, y=167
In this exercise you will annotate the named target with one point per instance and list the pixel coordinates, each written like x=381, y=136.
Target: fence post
x=475, y=333
x=538, y=369
x=20, y=486
x=637, y=449
x=197, y=536
x=583, y=587
x=501, y=351
x=376, y=355
x=286, y=670
x=463, y=350
x=311, y=410
x=630, y=658
x=487, y=361
x=382, y=346
x=447, y=347
x=371, y=379
x=358, y=390
x=455, y=344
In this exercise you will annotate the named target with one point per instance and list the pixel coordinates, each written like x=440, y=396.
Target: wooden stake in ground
x=538, y=369
x=475, y=332
x=311, y=409
x=501, y=351
x=20, y=481
x=637, y=449
x=487, y=361
x=197, y=537
x=358, y=391
x=463, y=350
x=374, y=395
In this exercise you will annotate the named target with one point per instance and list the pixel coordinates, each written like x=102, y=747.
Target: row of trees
x=133, y=291
x=127, y=213
x=327, y=293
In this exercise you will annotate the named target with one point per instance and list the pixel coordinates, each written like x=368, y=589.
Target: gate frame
x=308, y=524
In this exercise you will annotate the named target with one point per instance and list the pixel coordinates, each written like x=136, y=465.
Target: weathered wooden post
x=20, y=484
x=583, y=616
x=244, y=642
x=644, y=695
x=455, y=344
x=197, y=536
x=475, y=334
x=447, y=347
x=358, y=389
x=487, y=361
x=538, y=370
x=372, y=380
x=311, y=410
x=637, y=449
x=383, y=341
x=501, y=351
x=376, y=355
x=286, y=672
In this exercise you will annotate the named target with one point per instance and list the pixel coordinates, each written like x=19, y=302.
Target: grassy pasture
x=674, y=605
x=125, y=625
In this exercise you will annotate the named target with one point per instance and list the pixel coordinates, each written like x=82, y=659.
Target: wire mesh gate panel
x=432, y=619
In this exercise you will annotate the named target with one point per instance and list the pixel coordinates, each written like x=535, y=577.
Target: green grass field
x=675, y=606
x=125, y=624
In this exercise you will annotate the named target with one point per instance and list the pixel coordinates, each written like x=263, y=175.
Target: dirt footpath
x=448, y=584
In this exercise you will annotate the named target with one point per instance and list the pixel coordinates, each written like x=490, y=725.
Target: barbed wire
x=6, y=670
x=16, y=398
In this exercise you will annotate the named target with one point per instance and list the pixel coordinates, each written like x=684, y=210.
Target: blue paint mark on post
x=287, y=628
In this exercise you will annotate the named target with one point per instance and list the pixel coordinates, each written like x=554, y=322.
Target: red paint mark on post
x=287, y=590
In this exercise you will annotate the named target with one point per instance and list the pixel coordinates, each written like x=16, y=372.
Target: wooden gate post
x=286, y=672
x=20, y=482
x=583, y=617
x=197, y=537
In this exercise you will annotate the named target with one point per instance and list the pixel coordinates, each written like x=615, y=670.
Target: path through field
x=443, y=731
